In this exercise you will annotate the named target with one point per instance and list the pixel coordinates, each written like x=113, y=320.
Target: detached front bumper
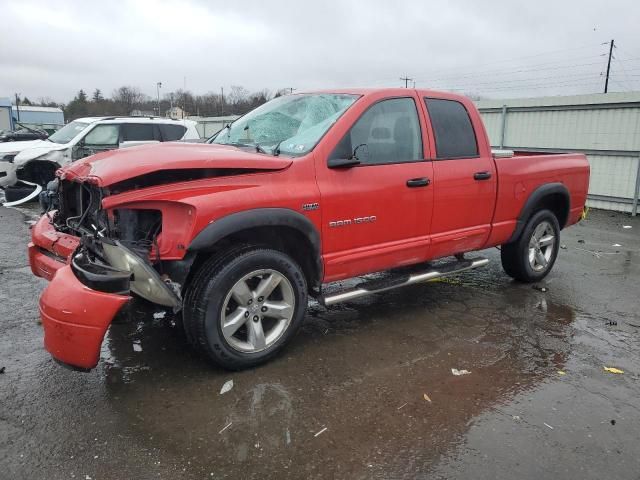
x=76, y=318
x=87, y=290
x=82, y=299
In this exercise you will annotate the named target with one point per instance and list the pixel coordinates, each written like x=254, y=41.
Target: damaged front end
x=118, y=255
x=115, y=243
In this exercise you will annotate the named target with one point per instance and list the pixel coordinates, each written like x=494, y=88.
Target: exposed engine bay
x=118, y=250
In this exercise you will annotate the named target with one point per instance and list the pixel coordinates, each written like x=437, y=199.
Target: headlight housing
x=9, y=156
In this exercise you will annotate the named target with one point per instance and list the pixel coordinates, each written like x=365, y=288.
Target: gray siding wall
x=604, y=126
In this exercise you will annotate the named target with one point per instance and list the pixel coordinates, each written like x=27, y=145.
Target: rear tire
x=242, y=308
x=532, y=256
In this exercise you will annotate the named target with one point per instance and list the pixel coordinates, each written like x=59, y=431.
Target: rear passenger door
x=464, y=181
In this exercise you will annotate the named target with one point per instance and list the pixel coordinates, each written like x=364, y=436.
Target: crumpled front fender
x=76, y=318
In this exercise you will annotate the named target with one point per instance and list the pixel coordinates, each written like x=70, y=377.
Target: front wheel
x=531, y=257
x=244, y=309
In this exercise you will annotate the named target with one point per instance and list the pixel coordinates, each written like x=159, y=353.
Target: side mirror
x=360, y=152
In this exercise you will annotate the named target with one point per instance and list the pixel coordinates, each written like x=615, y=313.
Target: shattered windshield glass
x=68, y=132
x=291, y=124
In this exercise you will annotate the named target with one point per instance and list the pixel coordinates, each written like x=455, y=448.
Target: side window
x=102, y=135
x=454, y=134
x=388, y=132
x=137, y=132
x=171, y=133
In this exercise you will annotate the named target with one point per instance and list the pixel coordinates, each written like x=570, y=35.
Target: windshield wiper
x=276, y=150
x=260, y=149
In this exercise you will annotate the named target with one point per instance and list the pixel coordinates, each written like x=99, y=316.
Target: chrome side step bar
x=369, y=288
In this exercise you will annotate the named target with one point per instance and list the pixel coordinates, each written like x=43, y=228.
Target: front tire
x=242, y=310
x=531, y=257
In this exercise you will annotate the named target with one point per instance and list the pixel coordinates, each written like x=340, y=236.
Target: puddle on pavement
x=360, y=370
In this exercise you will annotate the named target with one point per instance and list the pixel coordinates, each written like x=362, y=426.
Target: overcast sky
x=512, y=48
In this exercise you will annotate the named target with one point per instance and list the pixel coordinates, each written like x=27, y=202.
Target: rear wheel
x=244, y=309
x=531, y=257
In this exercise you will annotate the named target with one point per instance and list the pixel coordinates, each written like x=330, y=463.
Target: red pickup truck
x=303, y=191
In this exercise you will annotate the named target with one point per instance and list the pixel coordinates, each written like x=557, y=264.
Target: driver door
x=376, y=215
x=100, y=138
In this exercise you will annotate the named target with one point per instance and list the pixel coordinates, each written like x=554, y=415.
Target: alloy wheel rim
x=257, y=311
x=541, y=245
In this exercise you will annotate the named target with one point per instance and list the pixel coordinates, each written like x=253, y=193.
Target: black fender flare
x=259, y=217
x=534, y=200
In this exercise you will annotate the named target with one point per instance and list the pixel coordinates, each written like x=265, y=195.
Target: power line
x=529, y=56
x=527, y=80
x=530, y=68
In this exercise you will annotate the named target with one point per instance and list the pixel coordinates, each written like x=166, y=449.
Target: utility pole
x=222, y=101
x=18, y=105
x=606, y=82
x=406, y=81
x=158, y=87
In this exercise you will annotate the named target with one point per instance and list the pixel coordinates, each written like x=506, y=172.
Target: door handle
x=482, y=175
x=418, y=182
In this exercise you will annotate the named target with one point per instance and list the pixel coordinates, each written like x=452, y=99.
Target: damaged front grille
x=80, y=213
x=78, y=209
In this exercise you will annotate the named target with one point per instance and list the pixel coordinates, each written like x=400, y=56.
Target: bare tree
x=127, y=98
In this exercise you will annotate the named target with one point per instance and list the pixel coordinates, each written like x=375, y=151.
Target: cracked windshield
x=291, y=124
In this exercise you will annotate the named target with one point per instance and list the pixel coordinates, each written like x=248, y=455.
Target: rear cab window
x=452, y=128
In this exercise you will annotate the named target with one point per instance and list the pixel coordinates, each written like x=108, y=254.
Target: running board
x=377, y=286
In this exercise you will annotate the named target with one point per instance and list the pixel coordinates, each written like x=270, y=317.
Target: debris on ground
x=159, y=315
x=426, y=397
x=402, y=406
x=581, y=241
x=612, y=323
x=136, y=346
x=613, y=422
x=613, y=370
x=228, y=425
x=228, y=385
x=321, y=432
x=547, y=425
x=561, y=372
x=457, y=372
x=540, y=288
x=2, y=369
x=542, y=305
x=563, y=246
x=616, y=245
x=516, y=418
x=597, y=254
x=626, y=227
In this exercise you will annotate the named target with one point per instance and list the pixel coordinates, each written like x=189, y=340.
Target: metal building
x=606, y=127
x=46, y=118
x=6, y=120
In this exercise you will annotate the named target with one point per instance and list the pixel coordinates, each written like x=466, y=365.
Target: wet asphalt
x=365, y=390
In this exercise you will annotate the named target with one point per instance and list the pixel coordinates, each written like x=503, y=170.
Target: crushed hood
x=44, y=145
x=115, y=166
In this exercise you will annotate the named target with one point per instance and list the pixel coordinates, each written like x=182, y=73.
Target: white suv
x=35, y=162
